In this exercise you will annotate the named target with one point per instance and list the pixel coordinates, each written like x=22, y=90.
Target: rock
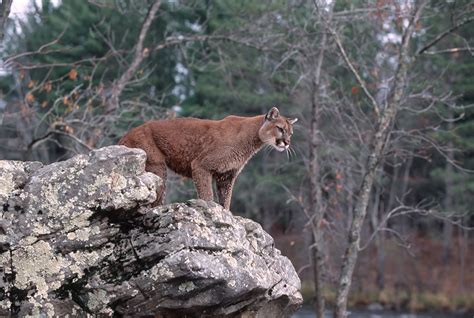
x=375, y=307
x=79, y=238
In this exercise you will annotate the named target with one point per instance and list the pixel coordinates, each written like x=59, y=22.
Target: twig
x=355, y=73
x=35, y=143
x=41, y=49
x=445, y=33
x=180, y=39
x=452, y=50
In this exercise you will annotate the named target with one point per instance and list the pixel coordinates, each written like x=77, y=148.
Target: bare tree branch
x=445, y=33
x=356, y=74
x=180, y=39
x=138, y=56
x=452, y=50
x=42, y=50
x=35, y=143
x=361, y=12
x=423, y=210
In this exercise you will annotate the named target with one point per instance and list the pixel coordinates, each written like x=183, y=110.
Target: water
x=309, y=313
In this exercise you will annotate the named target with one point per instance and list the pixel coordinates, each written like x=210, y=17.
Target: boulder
x=80, y=238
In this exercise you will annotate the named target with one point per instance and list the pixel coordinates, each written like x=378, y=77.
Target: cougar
x=208, y=149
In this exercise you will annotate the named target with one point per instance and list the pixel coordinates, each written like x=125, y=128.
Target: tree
x=360, y=76
x=450, y=52
x=384, y=131
x=4, y=11
x=369, y=131
x=73, y=64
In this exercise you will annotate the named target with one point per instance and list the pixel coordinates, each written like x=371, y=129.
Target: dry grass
x=418, y=281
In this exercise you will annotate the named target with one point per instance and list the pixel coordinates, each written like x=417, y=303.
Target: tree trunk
x=377, y=147
x=316, y=201
x=4, y=12
x=316, y=252
x=379, y=238
x=463, y=243
x=316, y=204
x=403, y=222
x=448, y=201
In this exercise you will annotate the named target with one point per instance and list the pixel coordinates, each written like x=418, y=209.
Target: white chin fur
x=279, y=148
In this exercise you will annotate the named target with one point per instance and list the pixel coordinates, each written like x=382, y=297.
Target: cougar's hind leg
x=156, y=163
x=155, y=159
x=160, y=170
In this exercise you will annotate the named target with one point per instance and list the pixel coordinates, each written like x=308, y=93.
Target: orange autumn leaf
x=323, y=223
x=72, y=74
x=30, y=98
x=47, y=87
x=354, y=90
x=68, y=129
x=419, y=26
x=31, y=84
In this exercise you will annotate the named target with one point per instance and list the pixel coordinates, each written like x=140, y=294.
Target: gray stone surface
x=78, y=238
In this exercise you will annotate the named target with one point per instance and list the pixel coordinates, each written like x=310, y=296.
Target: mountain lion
x=206, y=149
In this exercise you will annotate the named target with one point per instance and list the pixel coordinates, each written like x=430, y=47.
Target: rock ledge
x=78, y=238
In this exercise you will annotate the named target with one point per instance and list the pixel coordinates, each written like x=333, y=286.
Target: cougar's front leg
x=202, y=179
x=225, y=184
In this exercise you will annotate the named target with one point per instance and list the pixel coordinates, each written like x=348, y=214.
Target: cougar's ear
x=292, y=120
x=272, y=114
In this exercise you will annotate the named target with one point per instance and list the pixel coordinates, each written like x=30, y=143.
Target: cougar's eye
x=280, y=130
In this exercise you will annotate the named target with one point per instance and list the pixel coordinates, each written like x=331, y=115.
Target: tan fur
x=207, y=149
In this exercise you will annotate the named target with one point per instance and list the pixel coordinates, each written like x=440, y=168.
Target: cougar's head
x=276, y=130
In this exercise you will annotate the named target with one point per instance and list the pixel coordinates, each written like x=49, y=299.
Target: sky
x=20, y=7
x=18, y=11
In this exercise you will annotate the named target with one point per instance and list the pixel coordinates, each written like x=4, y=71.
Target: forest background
x=374, y=204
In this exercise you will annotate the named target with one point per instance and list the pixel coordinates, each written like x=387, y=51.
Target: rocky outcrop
x=78, y=238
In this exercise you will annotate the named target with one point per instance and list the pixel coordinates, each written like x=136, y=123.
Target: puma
x=208, y=149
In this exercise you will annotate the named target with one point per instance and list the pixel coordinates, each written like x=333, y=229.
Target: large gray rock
x=78, y=238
